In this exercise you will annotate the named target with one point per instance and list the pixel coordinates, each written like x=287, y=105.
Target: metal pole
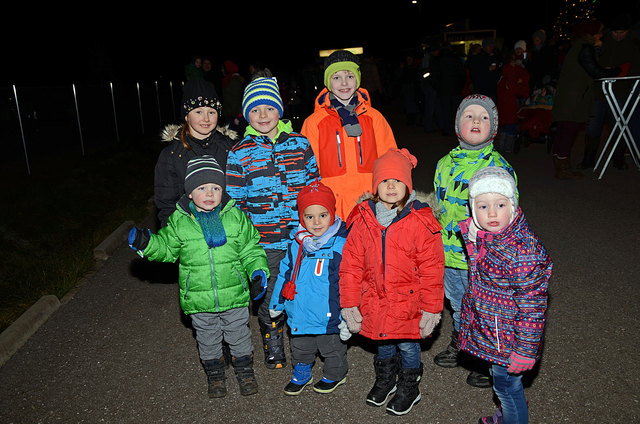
x=115, y=116
x=24, y=145
x=158, y=101
x=140, y=107
x=75, y=100
x=173, y=104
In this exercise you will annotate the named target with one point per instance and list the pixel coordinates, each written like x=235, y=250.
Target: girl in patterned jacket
x=504, y=309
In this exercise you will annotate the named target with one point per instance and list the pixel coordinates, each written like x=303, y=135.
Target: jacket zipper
x=360, y=149
x=339, y=153
x=213, y=280
x=495, y=319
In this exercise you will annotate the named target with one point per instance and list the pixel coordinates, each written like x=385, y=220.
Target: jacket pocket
x=186, y=286
x=404, y=303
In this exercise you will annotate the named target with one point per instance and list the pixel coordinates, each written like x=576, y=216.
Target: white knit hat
x=493, y=179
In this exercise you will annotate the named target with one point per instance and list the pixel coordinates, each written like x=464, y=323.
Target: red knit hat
x=396, y=164
x=316, y=193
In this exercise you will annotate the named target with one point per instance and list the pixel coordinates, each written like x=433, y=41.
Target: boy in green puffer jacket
x=218, y=249
x=476, y=126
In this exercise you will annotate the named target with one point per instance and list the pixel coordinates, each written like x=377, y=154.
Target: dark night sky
x=158, y=42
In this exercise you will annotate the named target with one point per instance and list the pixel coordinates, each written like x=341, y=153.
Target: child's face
x=206, y=197
x=264, y=119
x=317, y=219
x=492, y=211
x=343, y=85
x=202, y=121
x=475, y=124
x=391, y=191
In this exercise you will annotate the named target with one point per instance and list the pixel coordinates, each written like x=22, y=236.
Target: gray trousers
x=231, y=325
x=331, y=348
x=274, y=257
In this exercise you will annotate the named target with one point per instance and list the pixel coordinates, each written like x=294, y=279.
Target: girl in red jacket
x=391, y=279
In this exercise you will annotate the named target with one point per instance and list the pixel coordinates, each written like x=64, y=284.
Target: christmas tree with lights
x=571, y=12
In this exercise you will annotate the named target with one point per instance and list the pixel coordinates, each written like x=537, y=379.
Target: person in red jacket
x=391, y=279
x=346, y=132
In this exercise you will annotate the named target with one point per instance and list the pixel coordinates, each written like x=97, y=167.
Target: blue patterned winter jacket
x=265, y=176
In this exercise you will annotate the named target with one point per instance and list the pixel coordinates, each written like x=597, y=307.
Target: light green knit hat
x=341, y=60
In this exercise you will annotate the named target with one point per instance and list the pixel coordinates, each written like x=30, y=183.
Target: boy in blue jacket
x=308, y=290
x=265, y=172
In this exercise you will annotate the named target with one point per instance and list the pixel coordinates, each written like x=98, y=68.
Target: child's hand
x=139, y=239
x=353, y=319
x=258, y=284
x=345, y=334
x=519, y=363
x=428, y=322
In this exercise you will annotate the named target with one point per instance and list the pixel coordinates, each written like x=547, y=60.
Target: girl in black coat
x=198, y=135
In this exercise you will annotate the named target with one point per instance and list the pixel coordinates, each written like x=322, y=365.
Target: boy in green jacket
x=218, y=249
x=476, y=126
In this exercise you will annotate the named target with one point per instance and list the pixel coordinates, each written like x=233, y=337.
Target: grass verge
x=51, y=220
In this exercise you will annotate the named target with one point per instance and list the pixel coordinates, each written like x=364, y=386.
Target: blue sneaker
x=301, y=378
x=327, y=386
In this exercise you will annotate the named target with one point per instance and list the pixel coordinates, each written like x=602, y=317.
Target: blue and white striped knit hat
x=261, y=91
x=203, y=170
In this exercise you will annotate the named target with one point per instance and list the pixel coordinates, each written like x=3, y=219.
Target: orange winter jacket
x=346, y=163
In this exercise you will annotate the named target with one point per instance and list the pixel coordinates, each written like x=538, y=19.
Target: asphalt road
x=119, y=350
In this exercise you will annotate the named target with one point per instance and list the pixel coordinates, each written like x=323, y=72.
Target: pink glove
x=427, y=323
x=519, y=363
x=353, y=319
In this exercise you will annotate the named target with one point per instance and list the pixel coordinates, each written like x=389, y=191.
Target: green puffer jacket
x=451, y=185
x=211, y=279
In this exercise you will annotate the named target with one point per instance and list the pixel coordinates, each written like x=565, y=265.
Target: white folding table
x=622, y=116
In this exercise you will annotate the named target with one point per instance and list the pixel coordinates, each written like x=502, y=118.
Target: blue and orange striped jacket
x=265, y=176
x=504, y=308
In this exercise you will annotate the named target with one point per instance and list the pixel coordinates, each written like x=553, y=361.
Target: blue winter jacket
x=265, y=176
x=316, y=306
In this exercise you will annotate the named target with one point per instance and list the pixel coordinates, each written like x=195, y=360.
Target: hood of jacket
x=172, y=132
x=284, y=126
x=323, y=100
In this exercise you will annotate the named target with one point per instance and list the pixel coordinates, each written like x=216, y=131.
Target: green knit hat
x=341, y=60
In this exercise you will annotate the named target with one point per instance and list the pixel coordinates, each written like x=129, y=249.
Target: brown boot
x=563, y=169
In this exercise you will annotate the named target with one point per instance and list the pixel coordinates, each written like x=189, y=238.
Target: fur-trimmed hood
x=422, y=196
x=172, y=131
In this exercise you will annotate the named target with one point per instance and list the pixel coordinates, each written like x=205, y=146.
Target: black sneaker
x=327, y=386
x=479, y=380
x=294, y=389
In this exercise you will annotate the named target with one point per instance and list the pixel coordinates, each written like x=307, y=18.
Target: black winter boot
x=408, y=393
x=273, y=343
x=215, y=369
x=591, y=145
x=243, y=367
x=448, y=358
x=385, y=384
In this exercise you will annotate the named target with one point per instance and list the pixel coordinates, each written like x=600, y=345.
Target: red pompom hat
x=316, y=193
x=395, y=164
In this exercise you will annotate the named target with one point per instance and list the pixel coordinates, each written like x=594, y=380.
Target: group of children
x=325, y=231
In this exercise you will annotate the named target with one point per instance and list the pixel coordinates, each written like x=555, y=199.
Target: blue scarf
x=211, y=225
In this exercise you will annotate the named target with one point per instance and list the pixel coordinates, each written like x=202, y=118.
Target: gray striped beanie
x=261, y=91
x=203, y=170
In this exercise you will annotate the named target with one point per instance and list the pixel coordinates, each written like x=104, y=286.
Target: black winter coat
x=172, y=164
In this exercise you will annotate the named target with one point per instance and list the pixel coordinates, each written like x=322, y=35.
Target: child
x=504, y=309
x=199, y=135
x=308, y=291
x=476, y=126
x=391, y=287
x=218, y=248
x=347, y=134
x=265, y=172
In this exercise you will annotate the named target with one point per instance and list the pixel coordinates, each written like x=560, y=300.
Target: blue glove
x=139, y=239
x=258, y=284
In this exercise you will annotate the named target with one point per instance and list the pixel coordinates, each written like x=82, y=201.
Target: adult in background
x=574, y=99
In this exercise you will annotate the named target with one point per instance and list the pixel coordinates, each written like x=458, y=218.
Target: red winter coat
x=392, y=274
x=513, y=85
